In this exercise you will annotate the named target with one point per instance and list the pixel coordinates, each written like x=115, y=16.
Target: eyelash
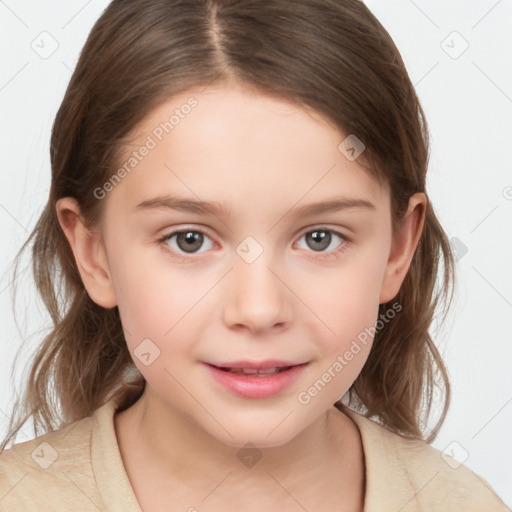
x=336, y=253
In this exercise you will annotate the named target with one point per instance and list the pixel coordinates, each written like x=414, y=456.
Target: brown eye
x=320, y=239
x=189, y=241
x=186, y=241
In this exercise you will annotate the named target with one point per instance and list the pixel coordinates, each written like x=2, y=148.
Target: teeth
x=254, y=371
x=267, y=370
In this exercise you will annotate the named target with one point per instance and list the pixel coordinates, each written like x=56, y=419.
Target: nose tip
x=256, y=298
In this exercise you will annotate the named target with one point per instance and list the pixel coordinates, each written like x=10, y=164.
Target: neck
x=326, y=453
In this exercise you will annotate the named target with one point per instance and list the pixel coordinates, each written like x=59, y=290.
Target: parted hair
x=332, y=56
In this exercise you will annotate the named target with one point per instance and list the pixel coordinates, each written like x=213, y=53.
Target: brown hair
x=329, y=55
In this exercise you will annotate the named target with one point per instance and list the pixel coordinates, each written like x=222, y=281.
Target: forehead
x=229, y=144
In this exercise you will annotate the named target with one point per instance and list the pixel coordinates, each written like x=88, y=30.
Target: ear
x=89, y=252
x=404, y=243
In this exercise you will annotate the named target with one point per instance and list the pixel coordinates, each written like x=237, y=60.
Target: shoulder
x=413, y=475
x=52, y=468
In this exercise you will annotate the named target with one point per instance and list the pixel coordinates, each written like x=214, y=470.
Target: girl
x=239, y=257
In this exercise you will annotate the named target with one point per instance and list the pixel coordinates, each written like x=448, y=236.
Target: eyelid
x=323, y=227
x=185, y=229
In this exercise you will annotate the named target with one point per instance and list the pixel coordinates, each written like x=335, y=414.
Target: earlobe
x=403, y=247
x=89, y=252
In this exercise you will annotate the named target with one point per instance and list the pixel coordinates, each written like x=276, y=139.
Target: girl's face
x=260, y=274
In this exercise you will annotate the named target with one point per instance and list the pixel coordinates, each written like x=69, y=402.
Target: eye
x=187, y=241
x=319, y=239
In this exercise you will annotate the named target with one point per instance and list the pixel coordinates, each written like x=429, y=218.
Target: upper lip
x=257, y=365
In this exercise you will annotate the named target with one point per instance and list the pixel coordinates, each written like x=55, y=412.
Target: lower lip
x=256, y=387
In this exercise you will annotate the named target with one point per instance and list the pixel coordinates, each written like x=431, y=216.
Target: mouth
x=256, y=380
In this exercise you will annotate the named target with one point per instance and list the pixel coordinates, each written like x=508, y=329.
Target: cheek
x=161, y=302
x=346, y=304
x=149, y=299
x=346, y=299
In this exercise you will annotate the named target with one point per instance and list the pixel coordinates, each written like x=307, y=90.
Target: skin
x=261, y=156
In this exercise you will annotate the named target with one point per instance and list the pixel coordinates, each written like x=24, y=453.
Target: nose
x=257, y=298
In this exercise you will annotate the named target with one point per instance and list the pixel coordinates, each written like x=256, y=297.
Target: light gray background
x=468, y=101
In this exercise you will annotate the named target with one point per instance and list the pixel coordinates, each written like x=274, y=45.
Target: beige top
x=79, y=468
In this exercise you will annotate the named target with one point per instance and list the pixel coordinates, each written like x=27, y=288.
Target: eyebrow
x=218, y=209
